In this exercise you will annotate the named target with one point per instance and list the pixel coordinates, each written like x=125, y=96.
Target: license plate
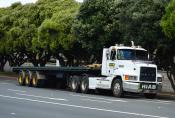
x=146, y=86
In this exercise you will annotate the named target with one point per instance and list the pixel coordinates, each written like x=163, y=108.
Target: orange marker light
x=126, y=77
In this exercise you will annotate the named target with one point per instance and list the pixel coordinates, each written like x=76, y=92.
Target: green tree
x=21, y=32
x=106, y=22
x=139, y=22
x=55, y=34
x=166, y=52
x=168, y=21
x=95, y=28
x=5, y=23
x=35, y=32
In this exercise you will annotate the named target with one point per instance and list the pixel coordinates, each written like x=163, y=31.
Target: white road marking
x=12, y=113
x=111, y=100
x=9, y=80
x=165, y=101
x=29, y=95
x=84, y=107
x=4, y=83
x=16, y=90
x=95, y=100
x=156, y=101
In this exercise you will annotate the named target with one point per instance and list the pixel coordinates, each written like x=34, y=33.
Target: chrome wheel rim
x=20, y=80
x=117, y=88
x=34, y=81
x=74, y=84
x=83, y=86
x=27, y=80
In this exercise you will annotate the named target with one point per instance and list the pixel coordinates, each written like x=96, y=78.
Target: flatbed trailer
x=69, y=77
x=53, y=69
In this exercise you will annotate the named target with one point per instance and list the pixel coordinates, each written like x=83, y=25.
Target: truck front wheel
x=117, y=88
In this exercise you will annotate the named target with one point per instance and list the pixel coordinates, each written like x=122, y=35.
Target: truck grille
x=147, y=74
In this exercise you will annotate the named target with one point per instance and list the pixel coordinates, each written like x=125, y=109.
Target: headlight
x=159, y=79
x=129, y=77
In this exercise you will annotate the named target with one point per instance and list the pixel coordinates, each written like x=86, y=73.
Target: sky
x=6, y=3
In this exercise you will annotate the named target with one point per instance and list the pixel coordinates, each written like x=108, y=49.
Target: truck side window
x=113, y=55
x=119, y=55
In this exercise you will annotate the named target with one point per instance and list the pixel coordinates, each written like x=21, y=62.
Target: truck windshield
x=129, y=54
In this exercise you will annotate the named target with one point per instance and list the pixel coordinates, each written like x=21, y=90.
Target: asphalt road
x=28, y=102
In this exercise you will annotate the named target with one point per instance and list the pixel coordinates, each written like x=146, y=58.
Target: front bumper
x=136, y=87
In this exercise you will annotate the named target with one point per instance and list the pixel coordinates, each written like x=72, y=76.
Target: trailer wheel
x=117, y=88
x=21, y=78
x=150, y=95
x=84, y=85
x=28, y=79
x=74, y=84
x=36, y=82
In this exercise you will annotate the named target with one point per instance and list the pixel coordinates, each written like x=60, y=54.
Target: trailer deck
x=57, y=69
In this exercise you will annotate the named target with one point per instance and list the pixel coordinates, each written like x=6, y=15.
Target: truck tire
x=21, y=78
x=28, y=79
x=84, y=85
x=36, y=82
x=150, y=95
x=117, y=88
x=74, y=83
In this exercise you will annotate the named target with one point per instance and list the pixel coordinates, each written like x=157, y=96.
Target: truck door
x=111, y=62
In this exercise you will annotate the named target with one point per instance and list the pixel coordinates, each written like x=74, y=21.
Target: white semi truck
x=123, y=69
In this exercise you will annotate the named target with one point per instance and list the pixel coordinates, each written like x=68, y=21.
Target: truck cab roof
x=127, y=47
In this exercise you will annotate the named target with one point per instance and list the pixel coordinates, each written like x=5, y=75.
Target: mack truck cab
x=127, y=69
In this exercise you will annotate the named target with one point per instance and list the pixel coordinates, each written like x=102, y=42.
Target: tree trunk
x=2, y=63
x=2, y=67
x=171, y=79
